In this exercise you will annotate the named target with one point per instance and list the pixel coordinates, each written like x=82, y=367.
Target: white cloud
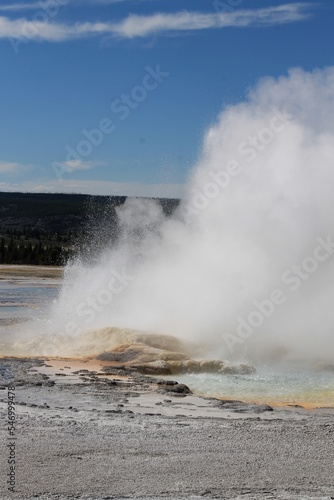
x=141, y=26
x=97, y=188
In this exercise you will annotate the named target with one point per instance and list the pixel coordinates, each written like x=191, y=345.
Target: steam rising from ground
x=259, y=202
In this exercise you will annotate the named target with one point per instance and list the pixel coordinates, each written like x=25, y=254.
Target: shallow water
x=277, y=387
x=24, y=299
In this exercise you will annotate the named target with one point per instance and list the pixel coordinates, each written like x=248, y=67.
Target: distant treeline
x=26, y=253
x=47, y=229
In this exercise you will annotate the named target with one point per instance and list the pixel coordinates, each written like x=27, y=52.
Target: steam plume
x=257, y=204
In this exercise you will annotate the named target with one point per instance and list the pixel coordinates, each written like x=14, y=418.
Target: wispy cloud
x=161, y=23
x=10, y=168
x=76, y=165
x=14, y=7
x=140, y=26
x=50, y=32
x=45, y=4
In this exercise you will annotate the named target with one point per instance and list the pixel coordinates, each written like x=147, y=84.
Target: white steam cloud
x=246, y=264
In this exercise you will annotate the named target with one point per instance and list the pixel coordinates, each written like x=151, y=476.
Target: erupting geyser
x=246, y=263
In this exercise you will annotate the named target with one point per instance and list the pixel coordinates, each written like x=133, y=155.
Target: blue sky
x=148, y=77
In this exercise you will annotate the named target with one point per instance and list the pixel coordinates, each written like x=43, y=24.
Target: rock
x=241, y=407
x=155, y=368
x=119, y=370
x=180, y=389
x=211, y=366
x=235, y=369
x=262, y=408
x=177, y=388
x=325, y=367
x=184, y=366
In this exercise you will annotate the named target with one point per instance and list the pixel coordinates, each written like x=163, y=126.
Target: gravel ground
x=98, y=438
